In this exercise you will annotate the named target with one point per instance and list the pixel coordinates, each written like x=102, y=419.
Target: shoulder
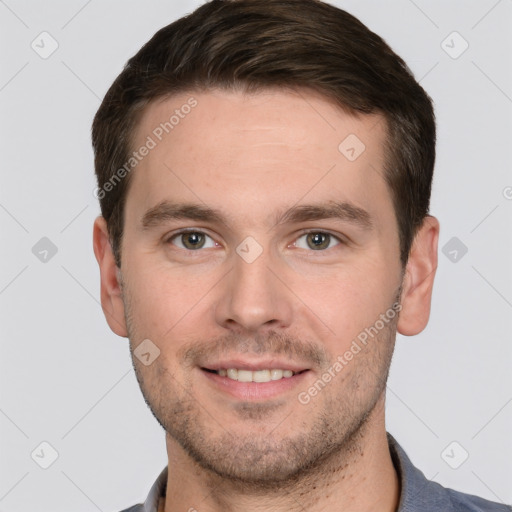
x=469, y=503
x=418, y=494
x=433, y=496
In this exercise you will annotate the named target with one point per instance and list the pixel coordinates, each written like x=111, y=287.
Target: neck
x=359, y=478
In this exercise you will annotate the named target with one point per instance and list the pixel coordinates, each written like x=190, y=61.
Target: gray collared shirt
x=417, y=495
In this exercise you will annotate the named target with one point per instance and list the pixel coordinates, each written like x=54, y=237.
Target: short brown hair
x=252, y=45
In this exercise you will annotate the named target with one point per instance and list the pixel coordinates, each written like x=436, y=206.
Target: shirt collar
x=417, y=493
x=158, y=489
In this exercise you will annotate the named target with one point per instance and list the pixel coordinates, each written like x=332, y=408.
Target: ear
x=419, y=279
x=111, y=295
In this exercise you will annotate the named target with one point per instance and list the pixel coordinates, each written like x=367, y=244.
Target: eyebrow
x=341, y=210
x=167, y=210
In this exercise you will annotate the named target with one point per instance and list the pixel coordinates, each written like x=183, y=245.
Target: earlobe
x=419, y=279
x=111, y=294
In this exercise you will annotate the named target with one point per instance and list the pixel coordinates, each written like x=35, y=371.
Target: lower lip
x=254, y=391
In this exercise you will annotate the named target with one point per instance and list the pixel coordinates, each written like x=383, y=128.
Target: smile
x=257, y=384
x=255, y=376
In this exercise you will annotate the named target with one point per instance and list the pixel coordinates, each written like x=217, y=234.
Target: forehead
x=220, y=146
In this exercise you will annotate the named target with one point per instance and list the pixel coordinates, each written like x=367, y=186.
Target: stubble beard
x=327, y=444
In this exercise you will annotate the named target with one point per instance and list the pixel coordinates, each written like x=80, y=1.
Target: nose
x=254, y=296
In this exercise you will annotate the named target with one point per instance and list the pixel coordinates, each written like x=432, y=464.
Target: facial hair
x=332, y=429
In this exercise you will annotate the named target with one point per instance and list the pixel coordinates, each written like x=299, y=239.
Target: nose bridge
x=253, y=296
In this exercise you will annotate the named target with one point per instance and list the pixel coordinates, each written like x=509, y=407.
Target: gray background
x=65, y=379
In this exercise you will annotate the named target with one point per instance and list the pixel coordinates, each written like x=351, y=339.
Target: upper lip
x=253, y=365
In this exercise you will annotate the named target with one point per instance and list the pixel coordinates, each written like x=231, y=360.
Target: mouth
x=254, y=382
x=261, y=376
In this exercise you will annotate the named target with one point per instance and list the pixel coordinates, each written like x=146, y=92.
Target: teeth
x=257, y=376
x=244, y=375
x=276, y=374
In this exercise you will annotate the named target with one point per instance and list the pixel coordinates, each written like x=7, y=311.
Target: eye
x=192, y=240
x=316, y=240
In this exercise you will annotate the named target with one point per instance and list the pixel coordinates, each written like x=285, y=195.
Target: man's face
x=273, y=283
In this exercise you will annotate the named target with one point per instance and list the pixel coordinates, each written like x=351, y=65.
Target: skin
x=252, y=157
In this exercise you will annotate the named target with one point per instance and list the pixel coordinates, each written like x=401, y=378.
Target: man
x=264, y=173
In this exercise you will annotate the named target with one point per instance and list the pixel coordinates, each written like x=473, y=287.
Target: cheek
x=163, y=298
x=348, y=301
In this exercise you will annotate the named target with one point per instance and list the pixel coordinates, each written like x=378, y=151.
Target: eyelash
x=339, y=239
